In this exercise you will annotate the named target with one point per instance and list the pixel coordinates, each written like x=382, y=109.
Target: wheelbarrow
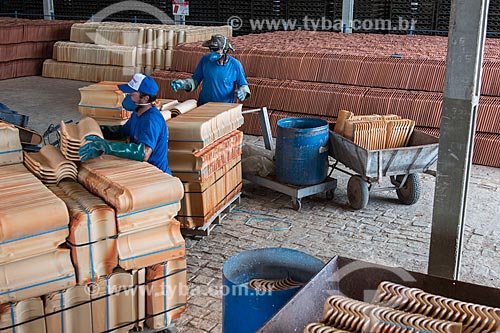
x=402, y=165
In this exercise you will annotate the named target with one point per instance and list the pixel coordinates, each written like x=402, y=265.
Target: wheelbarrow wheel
x=357, y=192
x=409, y=193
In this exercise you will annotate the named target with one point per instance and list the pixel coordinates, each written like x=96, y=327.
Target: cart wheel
x=296, y=204
x=357, y=192
x=330, y=194
x=409, y=193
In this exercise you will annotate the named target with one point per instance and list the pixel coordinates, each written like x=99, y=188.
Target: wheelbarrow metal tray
x=418, y=156
x=359, y=280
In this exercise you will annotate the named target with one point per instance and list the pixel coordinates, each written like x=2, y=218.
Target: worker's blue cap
x=140, y=83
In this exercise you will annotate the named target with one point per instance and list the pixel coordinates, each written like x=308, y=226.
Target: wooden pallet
x=215, y=220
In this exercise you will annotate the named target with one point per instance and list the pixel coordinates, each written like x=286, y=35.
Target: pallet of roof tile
x=23, y=316
x=233, y=200
x=10, y=145
x=86, y=72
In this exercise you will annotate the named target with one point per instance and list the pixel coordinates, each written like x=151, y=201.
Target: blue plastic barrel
x=245, y=310
x=302, y=151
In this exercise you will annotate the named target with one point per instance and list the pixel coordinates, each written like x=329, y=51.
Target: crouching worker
x=146, y=132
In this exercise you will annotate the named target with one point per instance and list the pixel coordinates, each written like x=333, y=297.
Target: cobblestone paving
x=386, y=232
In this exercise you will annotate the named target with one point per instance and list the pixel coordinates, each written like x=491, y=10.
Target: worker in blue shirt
x=146, y=131
x=222, y=75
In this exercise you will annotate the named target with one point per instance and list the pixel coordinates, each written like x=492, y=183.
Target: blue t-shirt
x=219, y=80
x=150, y=129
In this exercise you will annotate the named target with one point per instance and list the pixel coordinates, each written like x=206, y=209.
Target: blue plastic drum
x=244, y=309
x=302, y=151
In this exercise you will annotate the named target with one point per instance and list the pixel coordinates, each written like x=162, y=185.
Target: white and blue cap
x=142, y=83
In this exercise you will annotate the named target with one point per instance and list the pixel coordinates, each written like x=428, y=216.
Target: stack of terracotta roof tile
x=163, y=305
x=103, y=102
x=10, y=145
x=68, y=310
x=319, y=73
x=34, y=222
x=50, y=165
x=23, y=314
x=205, y=153
x=145, y=200
x=324, y=100
x=113, y=51
x=25, y=44
x=73, y=136
x=200, y=127
x=372, y=60
x=92, y=233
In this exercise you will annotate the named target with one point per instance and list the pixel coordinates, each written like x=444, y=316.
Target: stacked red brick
x=25, y=44
x=315, y=74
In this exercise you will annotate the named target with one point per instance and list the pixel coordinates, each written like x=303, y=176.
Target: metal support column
x=466, y=39
x=48, y=9
x=347, y=15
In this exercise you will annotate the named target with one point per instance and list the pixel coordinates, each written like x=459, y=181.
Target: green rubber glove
x=113, y=132
x=97, y=146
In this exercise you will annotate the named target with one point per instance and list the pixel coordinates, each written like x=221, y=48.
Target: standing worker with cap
x=222, y=75
x=146, y=130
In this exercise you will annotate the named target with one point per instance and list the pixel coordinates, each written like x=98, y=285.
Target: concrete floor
x=386, y=232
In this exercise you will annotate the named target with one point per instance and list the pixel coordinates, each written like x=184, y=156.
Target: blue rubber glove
x=178, y=84
x=241, y=94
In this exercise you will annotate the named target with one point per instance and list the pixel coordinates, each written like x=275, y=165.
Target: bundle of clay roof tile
x=145, y=200
x=374, y=131
x=25, y=44
x=50, y=165
x=113, y=51
x=205, y=153
x=92, y=232
x=73, y=136
x=10, y=145
x=33, y=222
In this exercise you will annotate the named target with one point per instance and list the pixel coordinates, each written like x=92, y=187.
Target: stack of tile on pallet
x=205, y=153
x=316, y=74
x=103, y=102
x=25, y=44
x=10, y=145
x=146, y=201
x=112, y=51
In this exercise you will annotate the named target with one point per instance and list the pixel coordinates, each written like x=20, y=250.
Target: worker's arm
x=243, y=91
x=147, y=152
x=97, y=146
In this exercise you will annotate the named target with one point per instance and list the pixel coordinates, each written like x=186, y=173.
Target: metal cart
x=402, y=165
x=296, y=193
